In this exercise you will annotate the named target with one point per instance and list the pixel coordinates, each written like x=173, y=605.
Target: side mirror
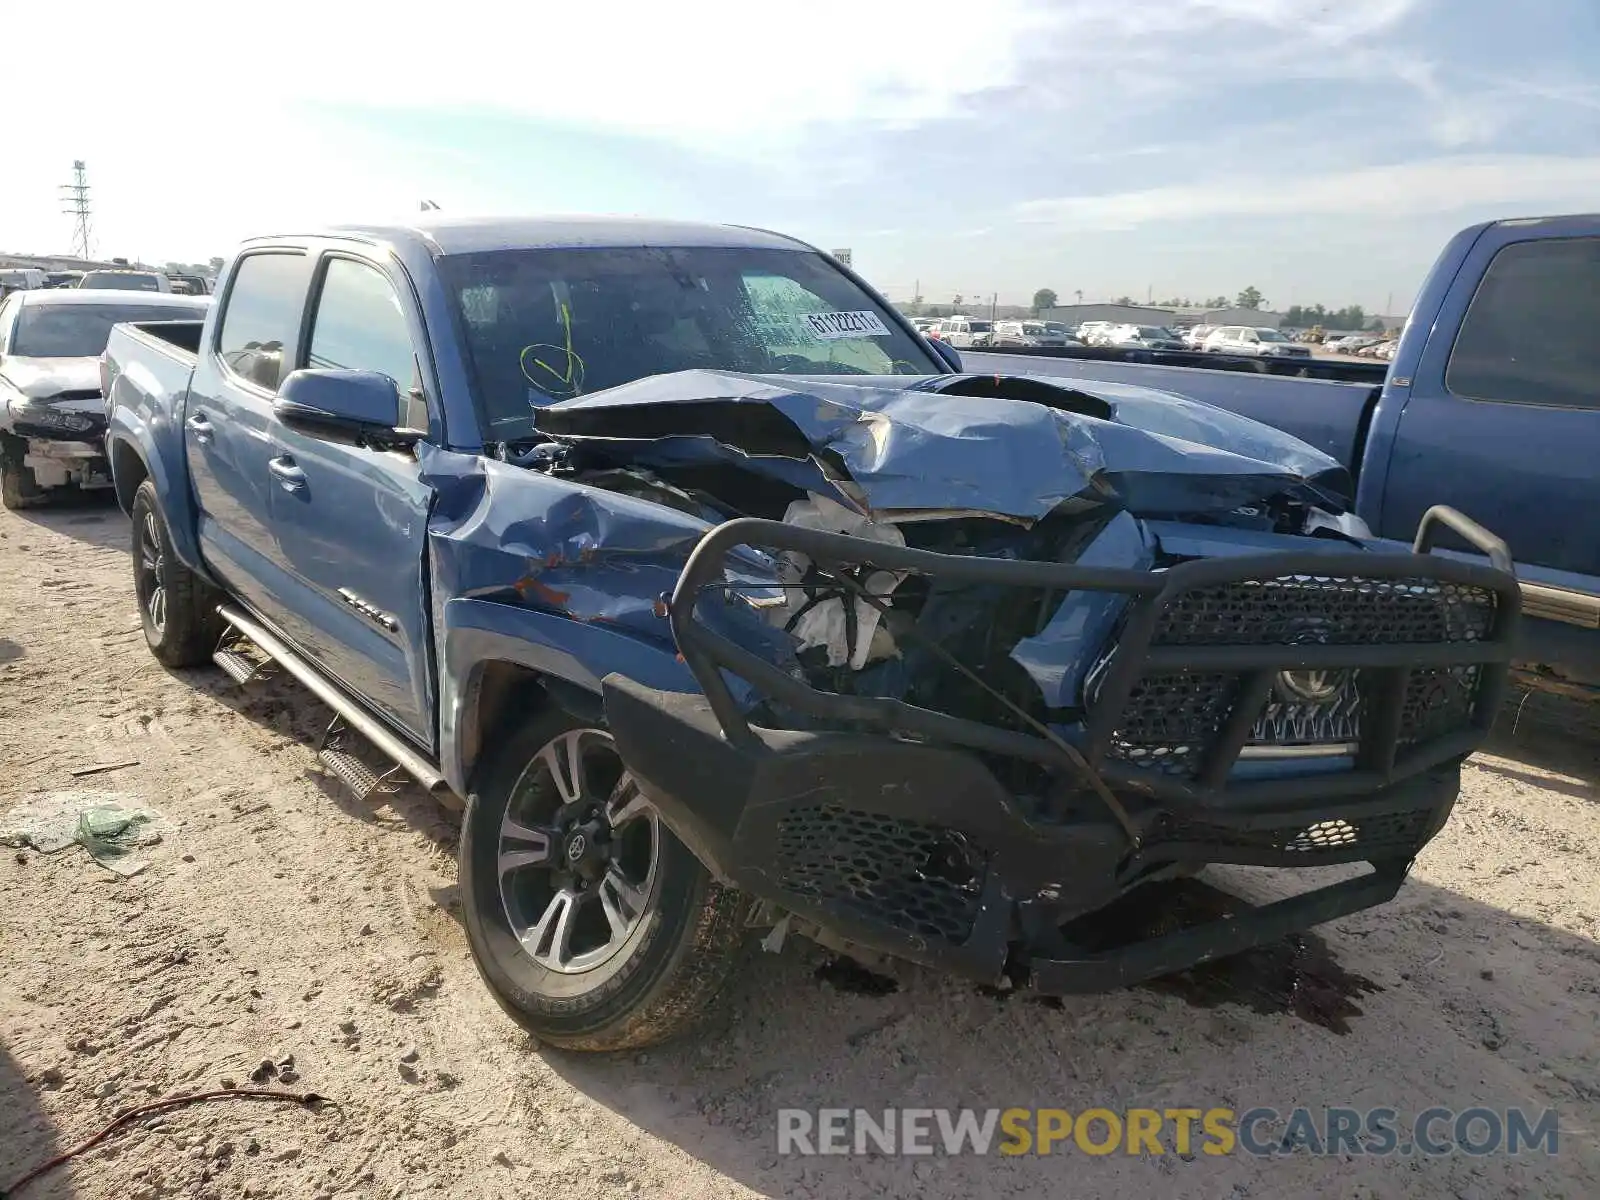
x=352, y=407
x=948, y=354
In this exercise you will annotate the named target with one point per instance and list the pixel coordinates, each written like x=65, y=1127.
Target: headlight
x=45, y=417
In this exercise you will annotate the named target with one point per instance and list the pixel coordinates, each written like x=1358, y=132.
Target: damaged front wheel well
x=508, y=693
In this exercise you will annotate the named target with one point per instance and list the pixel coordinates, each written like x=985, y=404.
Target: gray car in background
x=1028, y=334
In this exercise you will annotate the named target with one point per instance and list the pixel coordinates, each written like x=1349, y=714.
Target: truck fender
x=568, y=658
x=131, y=449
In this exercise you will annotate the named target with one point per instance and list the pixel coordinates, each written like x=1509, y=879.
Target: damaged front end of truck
x=978, y=655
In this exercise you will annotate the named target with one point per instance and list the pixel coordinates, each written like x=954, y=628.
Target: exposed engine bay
x=888, y=464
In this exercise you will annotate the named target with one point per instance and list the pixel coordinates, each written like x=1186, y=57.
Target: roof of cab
x=468, y=235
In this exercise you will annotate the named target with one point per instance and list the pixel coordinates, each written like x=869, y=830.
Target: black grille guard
x=1380, y=759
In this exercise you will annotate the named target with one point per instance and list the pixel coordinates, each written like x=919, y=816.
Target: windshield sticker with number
x=832, y=325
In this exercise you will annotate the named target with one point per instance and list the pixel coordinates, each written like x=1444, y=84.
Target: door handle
x=200, y=427
x=289, y=476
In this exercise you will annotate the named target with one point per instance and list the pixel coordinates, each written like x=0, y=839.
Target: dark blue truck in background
x=1491, y=405
x=717, y=598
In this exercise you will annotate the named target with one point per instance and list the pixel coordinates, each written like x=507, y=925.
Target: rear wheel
x=177, y=608
x=591, y=923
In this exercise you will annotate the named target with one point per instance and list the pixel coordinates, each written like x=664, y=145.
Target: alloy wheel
x=152, y=563
x=578, y=853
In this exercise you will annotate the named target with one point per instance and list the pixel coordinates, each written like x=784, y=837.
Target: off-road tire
x=192, y=627
x=674, y=969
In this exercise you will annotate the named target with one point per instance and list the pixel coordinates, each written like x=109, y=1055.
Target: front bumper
x=59, y=447
x=885, y=823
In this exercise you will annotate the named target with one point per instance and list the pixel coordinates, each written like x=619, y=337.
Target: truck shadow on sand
x=27, y=1135
x=1441, y=1000
x=1547, y=741
x=91, y=517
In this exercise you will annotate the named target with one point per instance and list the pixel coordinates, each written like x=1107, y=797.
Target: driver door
x=351, y=523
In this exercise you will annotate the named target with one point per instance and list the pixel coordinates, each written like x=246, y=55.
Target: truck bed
x=1330, y=414
x=145, y=374
x=175, y=339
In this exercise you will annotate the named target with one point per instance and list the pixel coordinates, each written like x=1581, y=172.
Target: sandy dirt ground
x=279, y=919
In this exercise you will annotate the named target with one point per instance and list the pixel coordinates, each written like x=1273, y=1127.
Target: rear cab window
x=1530, y=334
x=261, y=323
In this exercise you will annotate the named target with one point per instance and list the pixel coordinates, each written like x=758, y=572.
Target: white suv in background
x=966, y=333
x=1261, y=343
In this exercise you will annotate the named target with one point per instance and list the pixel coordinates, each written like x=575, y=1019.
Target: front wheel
x=593, y=926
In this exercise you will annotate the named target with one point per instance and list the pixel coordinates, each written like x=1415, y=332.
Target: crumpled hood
x=42, y=378
x=918, y=445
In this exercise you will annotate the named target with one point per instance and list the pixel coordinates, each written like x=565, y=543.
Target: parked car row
x=974, y=333
x=1116, y=333
x=1213, y=339
x=1261, y=342
x=30, y=279
x=1052, y=334
x=1351, y=343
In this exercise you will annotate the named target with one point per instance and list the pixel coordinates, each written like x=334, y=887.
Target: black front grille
x=920, y=879
x=1171, y=719
x=1438, y=700
x=1297, y=610
x=1383, y=835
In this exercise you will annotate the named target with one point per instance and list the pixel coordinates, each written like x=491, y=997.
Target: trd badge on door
x=370, y=611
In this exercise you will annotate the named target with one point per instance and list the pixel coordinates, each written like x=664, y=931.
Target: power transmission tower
x=75, y=198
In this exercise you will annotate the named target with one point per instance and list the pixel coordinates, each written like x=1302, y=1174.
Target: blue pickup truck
x=1491, y=405
x=717, y=599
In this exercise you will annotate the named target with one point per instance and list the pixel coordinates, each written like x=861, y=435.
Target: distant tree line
x=1251, y=297
x=1352, y=316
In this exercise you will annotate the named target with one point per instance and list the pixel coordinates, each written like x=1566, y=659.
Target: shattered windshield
x=546, y=325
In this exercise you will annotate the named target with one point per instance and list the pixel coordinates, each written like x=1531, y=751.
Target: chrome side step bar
x=407, y=759
x=1566, y=605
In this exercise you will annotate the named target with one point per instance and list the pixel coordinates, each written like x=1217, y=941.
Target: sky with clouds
x=1320, y=151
